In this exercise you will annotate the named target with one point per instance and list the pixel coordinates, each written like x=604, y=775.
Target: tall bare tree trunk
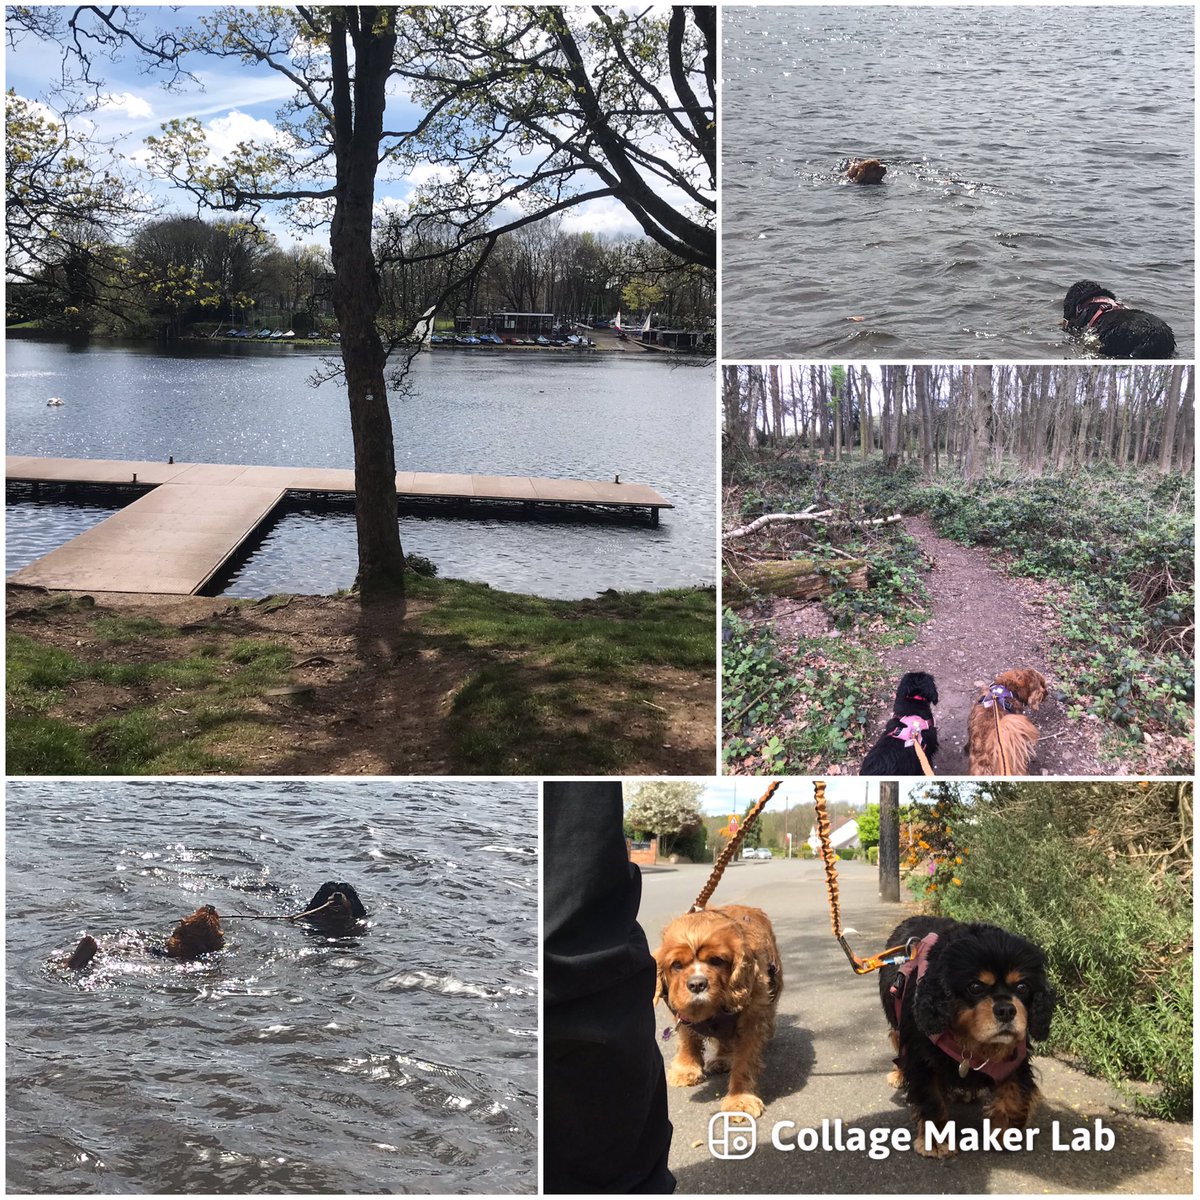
x=358, y=126
x=1170, y=418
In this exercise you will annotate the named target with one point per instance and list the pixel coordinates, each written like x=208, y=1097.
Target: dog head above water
x=865, y=170
x=339, y=905
x=1119, y=331
x=196, y=935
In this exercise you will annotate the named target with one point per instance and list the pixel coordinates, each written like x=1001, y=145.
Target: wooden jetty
x=193, y=518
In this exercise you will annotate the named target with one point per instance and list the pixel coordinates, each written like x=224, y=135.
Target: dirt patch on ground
x=375, y=690
x=982, y=621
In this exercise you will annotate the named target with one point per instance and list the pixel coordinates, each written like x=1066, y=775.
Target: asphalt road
x=830, y=1057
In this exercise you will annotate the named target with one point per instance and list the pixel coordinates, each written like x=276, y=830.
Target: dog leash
x=734, y=842
x=862, y=966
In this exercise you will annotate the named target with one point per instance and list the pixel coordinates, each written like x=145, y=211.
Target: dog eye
x=677, y=966
x=717, y=962
x=1022, y=989
x=976, y=988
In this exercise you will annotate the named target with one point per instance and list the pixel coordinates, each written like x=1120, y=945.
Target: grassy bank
x=456, y=678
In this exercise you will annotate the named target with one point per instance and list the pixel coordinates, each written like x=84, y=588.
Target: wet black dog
x=912, y=720
x=340, y=908
x=1091, y=310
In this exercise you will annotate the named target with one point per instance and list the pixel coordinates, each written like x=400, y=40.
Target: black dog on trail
x=1091, y=310
x=912, y=720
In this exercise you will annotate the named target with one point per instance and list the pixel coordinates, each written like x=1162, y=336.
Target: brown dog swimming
x=865, y=170
x=194, y=936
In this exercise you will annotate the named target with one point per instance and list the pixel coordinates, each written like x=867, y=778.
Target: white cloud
x=608, y=217
x=127, y=103
x=226, y=133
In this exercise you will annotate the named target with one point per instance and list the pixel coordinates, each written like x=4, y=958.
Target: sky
x=234, y=102
x=732, y=794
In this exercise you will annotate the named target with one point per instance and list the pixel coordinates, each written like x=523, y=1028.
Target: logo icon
x=732, y=1135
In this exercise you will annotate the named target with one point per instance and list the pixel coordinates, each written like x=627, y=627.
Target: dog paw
x=745, y=1102
x=933, y=1151
x=895, y=1078
x=718, y=1066
x=684, y=1075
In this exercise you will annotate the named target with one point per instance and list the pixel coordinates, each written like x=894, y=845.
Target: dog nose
x=1004, y=1010
x=697, y=985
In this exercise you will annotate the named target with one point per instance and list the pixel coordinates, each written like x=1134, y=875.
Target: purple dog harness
x=945, y=1041
x=997, y=694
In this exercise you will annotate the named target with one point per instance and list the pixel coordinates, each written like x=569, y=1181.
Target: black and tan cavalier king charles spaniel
x=1091, y=311
x=912, y=718
x=962, y=1013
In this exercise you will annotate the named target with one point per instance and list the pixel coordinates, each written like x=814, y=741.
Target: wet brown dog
x=193, y=936
x=865, y=170
x=719, y=973
x=1001, y=739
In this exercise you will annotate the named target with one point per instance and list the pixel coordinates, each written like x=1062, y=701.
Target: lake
x=403, y=1059
x=566, y=415
x=1027, y=148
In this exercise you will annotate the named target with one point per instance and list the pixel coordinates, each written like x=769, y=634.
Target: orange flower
x=956, y=881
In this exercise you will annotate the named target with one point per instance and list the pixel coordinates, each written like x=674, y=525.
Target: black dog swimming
x=1091, y=309
x=912, y=721
x=335, y=909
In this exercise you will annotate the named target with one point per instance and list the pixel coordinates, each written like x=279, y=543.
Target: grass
x=209, y=689
x=530, y=707
x=516, y=684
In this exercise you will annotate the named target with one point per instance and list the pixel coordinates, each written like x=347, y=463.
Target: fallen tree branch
x=807, y=515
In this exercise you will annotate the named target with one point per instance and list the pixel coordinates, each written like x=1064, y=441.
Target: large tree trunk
x=1170, y=417
x=358, y=125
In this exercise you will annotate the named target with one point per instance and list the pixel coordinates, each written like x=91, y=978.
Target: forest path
x=982, y=622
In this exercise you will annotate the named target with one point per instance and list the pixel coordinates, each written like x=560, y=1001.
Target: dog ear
x=1041, y=1012
x=743, y=974
x=934, y=1005
x=660, y=975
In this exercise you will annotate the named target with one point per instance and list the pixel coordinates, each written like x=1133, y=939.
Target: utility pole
x=889, y=841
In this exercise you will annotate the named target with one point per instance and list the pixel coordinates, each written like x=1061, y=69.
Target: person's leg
x=605, y=1118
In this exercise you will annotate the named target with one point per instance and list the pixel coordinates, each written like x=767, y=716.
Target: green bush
x=873, y=855
x=805, y=851
x=694, y=845
x=1117, y=936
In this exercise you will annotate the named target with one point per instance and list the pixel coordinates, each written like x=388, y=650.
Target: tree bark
x=889, y=841
x=358, y=126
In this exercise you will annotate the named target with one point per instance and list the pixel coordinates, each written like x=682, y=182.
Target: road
x=830, y=1057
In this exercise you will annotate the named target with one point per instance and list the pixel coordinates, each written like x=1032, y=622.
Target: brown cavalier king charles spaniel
x=1001, y=739
x=193, y=936
x=865, y=170
x=719, y=973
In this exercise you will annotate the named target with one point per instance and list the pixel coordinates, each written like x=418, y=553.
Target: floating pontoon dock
x=194, y=517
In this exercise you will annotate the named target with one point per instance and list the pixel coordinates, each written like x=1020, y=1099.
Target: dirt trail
x=981, y=622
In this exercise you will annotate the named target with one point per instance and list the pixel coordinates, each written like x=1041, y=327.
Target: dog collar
x=996, y=1070
x=910, y=729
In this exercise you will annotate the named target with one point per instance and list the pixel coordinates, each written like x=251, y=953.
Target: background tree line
x=174, y=272
x=969, y=417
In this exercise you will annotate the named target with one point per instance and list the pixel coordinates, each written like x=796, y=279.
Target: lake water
x=573, y=416
x=403, y=1059
x=1027, y=148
